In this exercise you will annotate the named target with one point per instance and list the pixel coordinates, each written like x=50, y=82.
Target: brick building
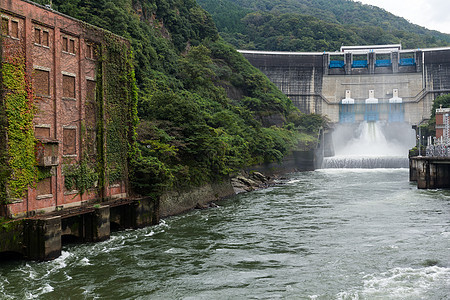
x=443, y=123
x=61, y=57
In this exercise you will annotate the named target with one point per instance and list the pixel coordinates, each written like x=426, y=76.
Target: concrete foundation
x=430, y=172
x=137, y=214
x=41, y=238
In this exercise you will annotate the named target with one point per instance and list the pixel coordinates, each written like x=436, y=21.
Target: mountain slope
x=335, y=22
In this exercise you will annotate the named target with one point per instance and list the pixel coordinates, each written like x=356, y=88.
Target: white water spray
x=371, y=145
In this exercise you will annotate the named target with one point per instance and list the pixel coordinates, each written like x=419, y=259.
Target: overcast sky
x=432, y=14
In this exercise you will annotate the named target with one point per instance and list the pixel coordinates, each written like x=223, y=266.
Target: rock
x=260, y=177
x=201, y=206
x=247, y=181
x=240, y=187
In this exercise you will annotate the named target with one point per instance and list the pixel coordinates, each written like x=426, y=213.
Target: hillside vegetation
x=204, y=110
x=314, y=25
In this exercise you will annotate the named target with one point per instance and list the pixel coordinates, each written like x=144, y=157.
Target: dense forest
x=204, y=111
x=314, y=25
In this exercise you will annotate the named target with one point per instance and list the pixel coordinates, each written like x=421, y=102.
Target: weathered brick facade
x=442, y=115
x=61, y=60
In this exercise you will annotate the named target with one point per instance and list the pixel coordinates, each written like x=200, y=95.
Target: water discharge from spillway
x=371, y=145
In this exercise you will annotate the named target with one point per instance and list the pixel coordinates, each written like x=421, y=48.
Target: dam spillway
x=371, y=145
x=385, y=85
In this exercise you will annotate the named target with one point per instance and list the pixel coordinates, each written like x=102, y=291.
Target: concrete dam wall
x=362, y=83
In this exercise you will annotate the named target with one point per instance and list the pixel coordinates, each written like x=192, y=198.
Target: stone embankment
x=242, y=183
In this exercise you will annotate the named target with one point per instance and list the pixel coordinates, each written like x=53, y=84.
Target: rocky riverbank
x=247, y=182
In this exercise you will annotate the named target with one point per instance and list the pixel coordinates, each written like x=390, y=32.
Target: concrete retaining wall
x=177, y=202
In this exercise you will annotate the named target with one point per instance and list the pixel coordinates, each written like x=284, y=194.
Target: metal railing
x=438, y=148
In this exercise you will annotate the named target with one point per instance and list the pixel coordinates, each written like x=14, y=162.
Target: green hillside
x=204, y=110
x=314, y=25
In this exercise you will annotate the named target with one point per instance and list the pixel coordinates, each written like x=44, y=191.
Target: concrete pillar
x=394, y=60
x=11, y=237
x=412, y=170
x=146, y=212
x=326, y=63
x=371, y=62
x=423, y=174
x=348, y=63
x=137, y=214
x=419, y=60
x=97, y=225
x=42, y=238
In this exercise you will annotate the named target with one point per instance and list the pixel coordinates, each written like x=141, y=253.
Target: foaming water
x=329, y=234
x=371, y=145
x=365, y=162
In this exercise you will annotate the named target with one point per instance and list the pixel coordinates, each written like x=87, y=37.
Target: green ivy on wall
x=120, y=96
x=80, y=177
x=19, y=107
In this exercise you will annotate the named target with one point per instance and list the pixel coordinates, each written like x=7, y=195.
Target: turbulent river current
x=327, y=234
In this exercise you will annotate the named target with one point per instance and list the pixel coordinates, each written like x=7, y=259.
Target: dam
x=372, y=95
x=360, y=83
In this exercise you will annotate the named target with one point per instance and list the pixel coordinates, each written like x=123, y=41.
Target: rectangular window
x=37, y=36
x=90, y=90
x=69, y=141
x=44, y=187
x=68, y=86
x=71, y=46
x=65, y=45
x=91, y=142
x=88, y=51
x=91, y=115
x=43, y=132
x=42, y=82
x=45, y=40
x=5, y=26
x=15, y=29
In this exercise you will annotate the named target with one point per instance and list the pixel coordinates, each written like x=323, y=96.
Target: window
x=65, y=44
x=5, y=26
x=91, y=115
x=68, y=45
x=43, y=132
x=90, y=90
x=44, y=187
x=42, y=82
x=45, y=39
x=69, y=141
x=37, y=36
x=89, y=51
x=68, y=86
x=41, y=37
x=15, y=29
x=71, y=46
x=91, y=142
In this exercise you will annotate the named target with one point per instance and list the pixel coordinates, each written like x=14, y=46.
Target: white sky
x=432, y=14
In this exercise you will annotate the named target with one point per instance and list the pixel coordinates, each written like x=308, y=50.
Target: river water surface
x=328, y=234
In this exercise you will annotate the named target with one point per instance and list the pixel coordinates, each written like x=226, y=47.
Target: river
x=327, y=234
